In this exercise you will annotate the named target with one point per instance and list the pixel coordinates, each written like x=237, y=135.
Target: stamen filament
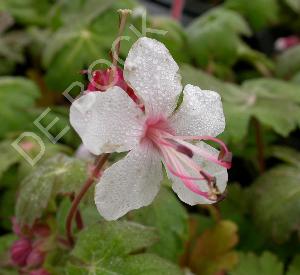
x=177, y=155
x=172, y=158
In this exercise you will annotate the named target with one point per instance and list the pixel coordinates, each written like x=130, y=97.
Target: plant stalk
x=100, y=161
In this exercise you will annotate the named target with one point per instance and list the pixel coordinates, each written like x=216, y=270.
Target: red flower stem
x=177, y=9
x=79, y=221
x=259, y=145
x=100, y=161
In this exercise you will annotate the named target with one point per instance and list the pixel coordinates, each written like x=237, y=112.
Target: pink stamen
x=177, y=155
x=180, y=175
x=187, y=181
x=224, y=158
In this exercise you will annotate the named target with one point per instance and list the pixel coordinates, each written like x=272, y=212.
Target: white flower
x=111, y=122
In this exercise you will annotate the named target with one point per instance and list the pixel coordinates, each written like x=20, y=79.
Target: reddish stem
x=79, y=221
x=177, y=9
x=100, y=161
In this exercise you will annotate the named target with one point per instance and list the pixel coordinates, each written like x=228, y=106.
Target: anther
x=184, y=150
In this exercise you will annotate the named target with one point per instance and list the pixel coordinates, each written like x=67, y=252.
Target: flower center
x=178, y=156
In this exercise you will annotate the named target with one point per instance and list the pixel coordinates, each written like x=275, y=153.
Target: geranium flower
x=112, y=122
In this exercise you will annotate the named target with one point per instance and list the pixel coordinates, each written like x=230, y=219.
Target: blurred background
x=248, y=51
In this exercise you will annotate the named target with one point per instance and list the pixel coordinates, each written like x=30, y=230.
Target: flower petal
x=213, y=169
x=107, y=122
x=152, y=72
x=129, y=184
x=200, y=114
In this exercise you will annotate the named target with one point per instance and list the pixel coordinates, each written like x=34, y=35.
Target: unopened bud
x=35, y=258
x=19, y=251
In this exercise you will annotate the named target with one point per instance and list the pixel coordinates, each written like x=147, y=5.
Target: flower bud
x=101, y=81
x=35, y=258
x=20, y=251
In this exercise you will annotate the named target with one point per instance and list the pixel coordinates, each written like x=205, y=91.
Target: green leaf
x=259, y=13
x=271, y=99
x=8, y=156
x=294, y=5
x=286, y=154
x=6, y=242
x=296, y=78
x=28, y=11
x=62, y=124
x=75, y=46
x=12, y=44
x=7, y=204
x=59, y=174
x=17, y=96
x=236, y=207
x=146, y=264
x=107, y=248
x=267, y=99
x=250, y=264
x=109, y=239
x=294, y=267
x=175, y=39
x=8, y=271
x=273, y=88
x=89, y=10
x=170, y=218
x=259, y=60
x=55, y=260
x=214, y=37
x=276, y=207
x=288, y=63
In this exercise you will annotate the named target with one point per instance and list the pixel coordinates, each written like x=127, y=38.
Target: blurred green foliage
x=44, y=45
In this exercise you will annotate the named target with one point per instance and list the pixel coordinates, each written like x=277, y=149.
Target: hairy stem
x=259, y=145
x=100, y=161
x=177, y=9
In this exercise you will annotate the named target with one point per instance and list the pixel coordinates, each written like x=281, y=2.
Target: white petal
x=200, y=114
x=107, y=121
x=213, y=169
x=129, y=184
x=152, y=72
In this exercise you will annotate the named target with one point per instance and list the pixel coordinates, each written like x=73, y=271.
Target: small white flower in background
x=114, y=123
